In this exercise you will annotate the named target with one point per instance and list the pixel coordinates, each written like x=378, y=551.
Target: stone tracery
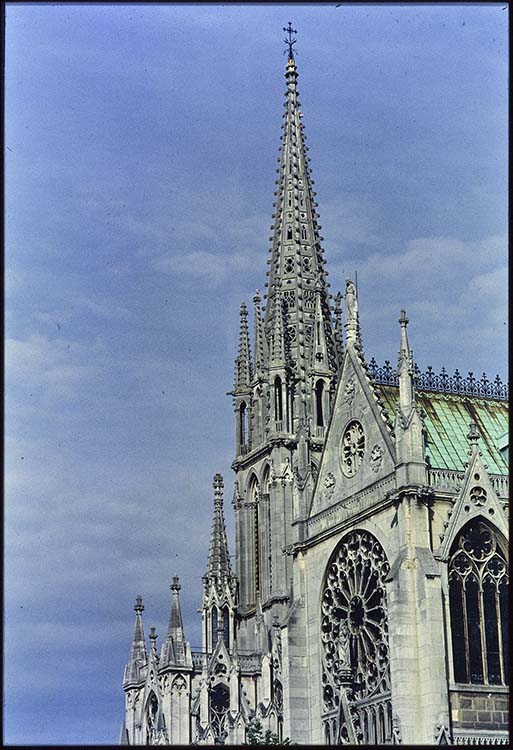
x=354, y=635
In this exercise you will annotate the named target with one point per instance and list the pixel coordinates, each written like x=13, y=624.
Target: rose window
x=354, y=625
x=353, y=448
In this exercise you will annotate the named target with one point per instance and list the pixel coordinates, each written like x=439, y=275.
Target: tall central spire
x=297, y=259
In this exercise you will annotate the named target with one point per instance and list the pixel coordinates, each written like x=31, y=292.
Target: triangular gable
x=476, y=498
x=357, y=401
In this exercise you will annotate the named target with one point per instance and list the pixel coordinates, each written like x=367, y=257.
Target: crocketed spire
x=218, y=566
x=297, y=259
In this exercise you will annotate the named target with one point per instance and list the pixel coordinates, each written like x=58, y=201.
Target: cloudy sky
x=141, y=148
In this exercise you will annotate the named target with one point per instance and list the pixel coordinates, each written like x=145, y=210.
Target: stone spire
x=138, y=654
x=218, y=567
x=297, y=259
x=174, y=648
x=243, y=361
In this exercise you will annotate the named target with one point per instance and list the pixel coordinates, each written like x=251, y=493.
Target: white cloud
x=40, y=361
x=211, y=267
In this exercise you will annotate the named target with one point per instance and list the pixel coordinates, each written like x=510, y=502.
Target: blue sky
x=141, y=149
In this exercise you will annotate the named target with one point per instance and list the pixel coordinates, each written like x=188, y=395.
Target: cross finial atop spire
x=139, y=606
x=290, y=41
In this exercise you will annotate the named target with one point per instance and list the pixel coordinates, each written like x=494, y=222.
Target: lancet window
x=478, y=595
x=319, y=396
x=219, y=705
x=278, y=403
x=214, y=619
x=226, y=626
x=243, y=425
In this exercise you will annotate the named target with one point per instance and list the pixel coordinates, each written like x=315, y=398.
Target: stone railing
x=444, y=479
x=443, y=383
x=500, y=484
x=250, y=662
x=199, y=658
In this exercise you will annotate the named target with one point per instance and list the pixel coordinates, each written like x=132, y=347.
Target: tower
x=282, y=399
x=369, y=598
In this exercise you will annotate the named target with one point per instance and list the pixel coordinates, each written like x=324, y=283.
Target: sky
x=141, y=147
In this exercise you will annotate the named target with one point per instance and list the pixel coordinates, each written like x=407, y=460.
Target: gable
x=356, y=411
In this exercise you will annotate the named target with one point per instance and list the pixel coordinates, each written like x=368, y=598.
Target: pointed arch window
x=289, y=232
x=304, y=235
x=243, y=425
x=226, y=626
x=478, y=590
x=214, y=627
x=319, y=397
x=278, y=402
x=152, y=708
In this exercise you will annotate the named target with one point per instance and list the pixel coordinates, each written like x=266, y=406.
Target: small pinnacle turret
x=174, y=647
x=138, y=654
x=405, y=368
x=243, y=362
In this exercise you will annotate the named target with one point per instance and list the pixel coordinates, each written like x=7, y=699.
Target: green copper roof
x=447, y=418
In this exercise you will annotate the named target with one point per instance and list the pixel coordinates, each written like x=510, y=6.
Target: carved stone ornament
x=329, y=486
x=478, y=497
x=349, y=391
x=352, y=448
x=376, y=458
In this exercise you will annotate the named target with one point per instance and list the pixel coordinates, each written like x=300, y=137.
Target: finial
x=175, y=586
x=218, y=490
x=289, y=42
x=257, y=298
x=473, y=434
x=403, y=320
x=153, y=633
x=139, y=606
x=243, y=310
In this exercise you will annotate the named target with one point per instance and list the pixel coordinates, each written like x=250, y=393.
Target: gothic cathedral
x=368, y=604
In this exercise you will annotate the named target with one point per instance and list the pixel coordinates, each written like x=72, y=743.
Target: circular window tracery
x=353, y=448
x=354, y=625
